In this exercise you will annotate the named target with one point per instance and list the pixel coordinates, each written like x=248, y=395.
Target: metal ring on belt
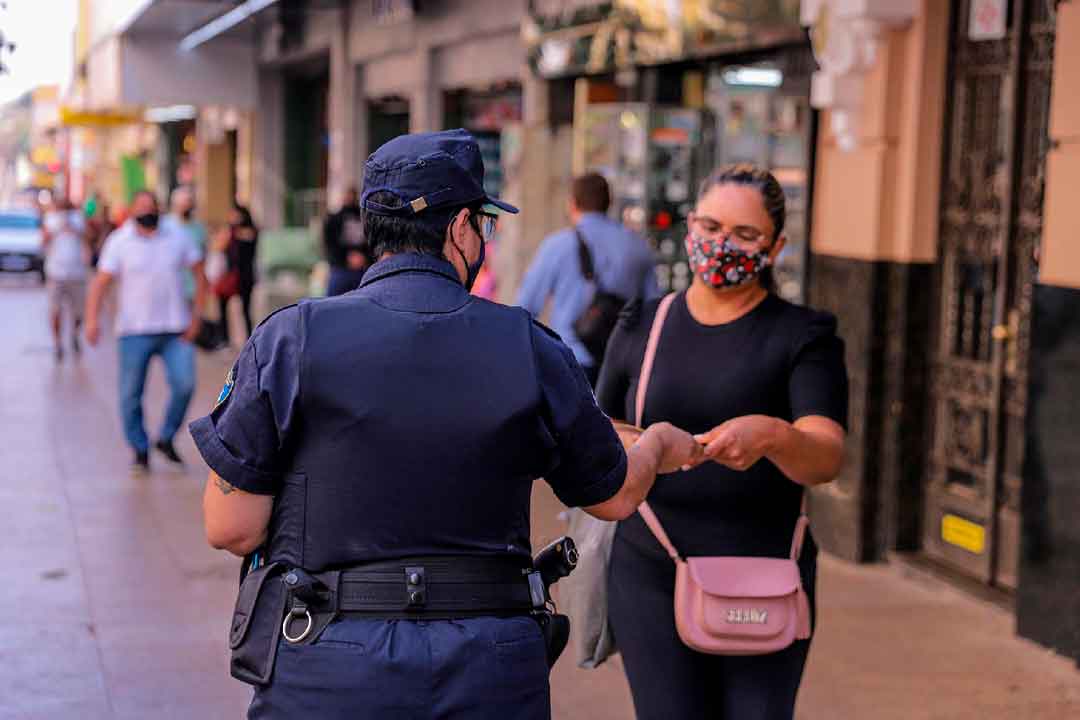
x=307, y=628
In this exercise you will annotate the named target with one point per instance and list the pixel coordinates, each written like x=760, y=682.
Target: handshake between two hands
x=737, y=443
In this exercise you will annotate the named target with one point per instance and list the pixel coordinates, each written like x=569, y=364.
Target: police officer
x=378, y=449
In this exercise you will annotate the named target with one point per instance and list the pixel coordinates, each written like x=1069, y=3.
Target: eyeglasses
x=746, y=237
x=484, y=223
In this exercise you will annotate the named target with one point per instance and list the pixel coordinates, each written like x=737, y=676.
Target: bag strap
x=584, y=256
x=650, y=356
x=658, y=530
x=639, y=407
x=800, y=529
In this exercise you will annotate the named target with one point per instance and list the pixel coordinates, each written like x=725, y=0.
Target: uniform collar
x=410, y=263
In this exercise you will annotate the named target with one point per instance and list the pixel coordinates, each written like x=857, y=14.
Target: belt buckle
x=416, y=587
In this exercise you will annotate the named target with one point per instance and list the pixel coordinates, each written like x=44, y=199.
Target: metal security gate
x=991, y=223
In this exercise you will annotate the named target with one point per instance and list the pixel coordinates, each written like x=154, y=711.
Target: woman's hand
x=740, y=442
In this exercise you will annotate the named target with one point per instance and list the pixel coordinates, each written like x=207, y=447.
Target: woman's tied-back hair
x=772, y=195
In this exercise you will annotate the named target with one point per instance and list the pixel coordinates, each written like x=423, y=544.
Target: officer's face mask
x=472, y=270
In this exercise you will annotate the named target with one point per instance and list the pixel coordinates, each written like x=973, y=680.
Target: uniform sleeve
x=109, y=261
x=819, y=382
x=244, y=438
x=589, y=464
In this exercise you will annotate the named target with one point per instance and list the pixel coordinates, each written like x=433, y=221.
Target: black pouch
x=256, y=624
x=556, y=630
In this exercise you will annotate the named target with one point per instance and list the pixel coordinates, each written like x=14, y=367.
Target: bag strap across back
x=588, y=270
x=644, y=510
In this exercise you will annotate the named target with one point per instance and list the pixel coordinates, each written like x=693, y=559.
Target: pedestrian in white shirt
x=67, y=259
x=154, y=317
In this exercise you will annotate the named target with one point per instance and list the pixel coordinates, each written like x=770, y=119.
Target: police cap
x=432, y=174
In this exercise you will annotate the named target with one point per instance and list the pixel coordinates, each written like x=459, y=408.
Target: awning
x=73, y=117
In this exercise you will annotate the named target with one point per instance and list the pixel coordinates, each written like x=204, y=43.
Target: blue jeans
x=179, y=358
x=476, y=669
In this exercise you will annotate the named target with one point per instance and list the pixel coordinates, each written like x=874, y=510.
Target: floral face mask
x=721, y=263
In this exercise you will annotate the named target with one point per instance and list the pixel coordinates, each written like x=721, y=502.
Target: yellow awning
x=71, y=116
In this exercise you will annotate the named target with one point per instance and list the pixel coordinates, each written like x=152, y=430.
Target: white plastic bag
x=216, y=265
x=583, y=593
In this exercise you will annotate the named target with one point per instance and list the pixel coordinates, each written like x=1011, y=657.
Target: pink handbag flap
x=745, y=577
x=747, y=618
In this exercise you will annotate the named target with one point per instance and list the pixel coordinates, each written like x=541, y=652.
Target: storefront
x=661, y=98
x=944, y=243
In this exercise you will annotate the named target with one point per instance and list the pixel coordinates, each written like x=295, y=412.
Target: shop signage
x=963, y=533
x=987, y=20
x=579, y=37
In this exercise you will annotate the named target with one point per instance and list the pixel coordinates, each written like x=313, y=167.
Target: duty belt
x=276, y=601
x=422, y=588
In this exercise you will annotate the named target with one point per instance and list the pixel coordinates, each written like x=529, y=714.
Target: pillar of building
x=268, y=163
x=1048, y=596
x=874, y=242
x=342, y=112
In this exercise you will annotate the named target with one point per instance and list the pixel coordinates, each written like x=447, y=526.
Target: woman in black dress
x=762, y=383
x=241, y=251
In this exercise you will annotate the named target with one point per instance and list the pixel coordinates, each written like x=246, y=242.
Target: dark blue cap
x=431, y=174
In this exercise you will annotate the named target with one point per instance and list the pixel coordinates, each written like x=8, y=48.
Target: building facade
x=940, y=238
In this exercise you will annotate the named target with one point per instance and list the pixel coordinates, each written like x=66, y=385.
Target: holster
x=556, y=631
x=256, y=624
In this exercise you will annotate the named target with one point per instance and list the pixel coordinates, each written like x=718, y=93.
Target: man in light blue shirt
x=623, y=263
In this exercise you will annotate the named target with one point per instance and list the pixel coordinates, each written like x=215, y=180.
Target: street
x=115, y=607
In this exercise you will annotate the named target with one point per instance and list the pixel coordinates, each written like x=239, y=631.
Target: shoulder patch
x=226, y=389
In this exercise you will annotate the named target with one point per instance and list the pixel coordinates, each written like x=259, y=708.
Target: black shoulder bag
x=594, y=326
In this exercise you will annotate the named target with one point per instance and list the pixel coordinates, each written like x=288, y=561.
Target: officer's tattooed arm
x=662, y=448
x=235, y=520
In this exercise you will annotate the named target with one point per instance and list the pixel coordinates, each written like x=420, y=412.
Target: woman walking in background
x=762, y=383
x=239, y=277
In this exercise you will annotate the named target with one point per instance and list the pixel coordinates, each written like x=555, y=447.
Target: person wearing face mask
x=762, y=384
x=148, y=261
x=181, y=218
x=372, y=455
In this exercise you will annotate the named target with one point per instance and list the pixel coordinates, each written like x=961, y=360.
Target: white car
x=20, y=242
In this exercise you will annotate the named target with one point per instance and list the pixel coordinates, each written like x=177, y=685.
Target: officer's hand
x=680, y=450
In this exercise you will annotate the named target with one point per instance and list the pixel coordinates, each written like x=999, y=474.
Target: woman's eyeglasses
x=746, y=237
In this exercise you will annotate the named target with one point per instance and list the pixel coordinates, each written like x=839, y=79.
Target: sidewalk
x=116, y=608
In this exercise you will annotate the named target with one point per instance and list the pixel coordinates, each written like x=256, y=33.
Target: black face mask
x=472, y=270
x=148, y=220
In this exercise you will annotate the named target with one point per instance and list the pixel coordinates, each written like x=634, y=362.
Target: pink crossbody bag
x=730, y=605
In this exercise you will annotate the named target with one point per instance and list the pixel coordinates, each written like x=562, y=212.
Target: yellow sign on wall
x=963, y=534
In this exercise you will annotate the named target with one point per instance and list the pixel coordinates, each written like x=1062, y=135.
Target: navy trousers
x=668, y=680
x=412, y=670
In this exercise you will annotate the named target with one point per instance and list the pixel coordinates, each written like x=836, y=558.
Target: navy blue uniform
x=408, y=418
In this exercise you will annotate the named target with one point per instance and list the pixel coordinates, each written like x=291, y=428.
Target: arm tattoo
x=223, y=486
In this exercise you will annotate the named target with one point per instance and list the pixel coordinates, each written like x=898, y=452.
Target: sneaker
x=75, y=347
x=58, y=353
x=140, y=467
x=165, y=447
